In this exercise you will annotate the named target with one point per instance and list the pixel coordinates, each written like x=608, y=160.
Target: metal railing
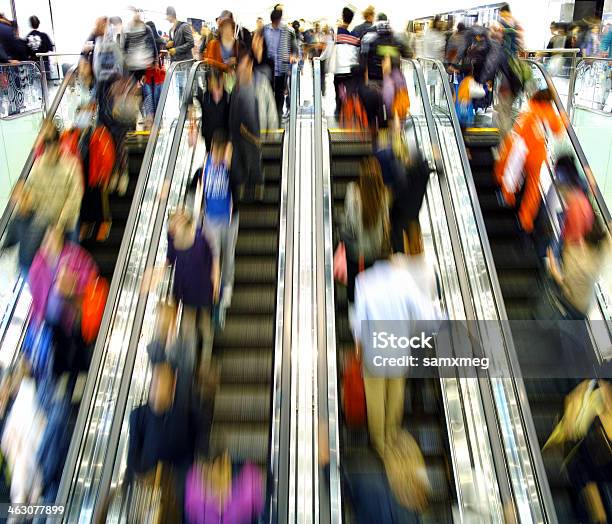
x=21, y=90
x=43, y=62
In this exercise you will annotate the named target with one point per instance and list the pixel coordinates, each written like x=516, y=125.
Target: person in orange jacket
x=523, y=150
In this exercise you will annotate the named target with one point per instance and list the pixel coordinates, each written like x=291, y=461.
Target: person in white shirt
x=401, y=288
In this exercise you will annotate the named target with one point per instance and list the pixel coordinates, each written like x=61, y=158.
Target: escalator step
x=436, y=473
x=246, y=366
x=341, y=301
x=243, y=441
x=511, y=255
x=437, y=514
x=517, y=284
x=505, y=227
x=246, y=331
x=255, y=270
x=429, y=397
x=343, y=331
x=241, y=403
x=490, y=204
x=339, y=190
x=257, y=243
x=481, y=157
x=271, y=152
x=120, y=208
x=272, y=172
x=350, y=148
x=258, y=217
x=519, y=310
x=254, y=299
x=345, y=168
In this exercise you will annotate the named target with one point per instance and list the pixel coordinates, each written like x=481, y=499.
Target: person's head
x=214, y=81
x=597, y=236
x=163, y=384
x=368, y=14
x=460, y=27
x=371, y=190
x=100, y=26
x=115, y=21
x=137, y=15
x=34, y=22
x=275, y=17
x=543, y=96
x=347, y=16
x=381, y=17
x=504, y=12
x=226, y=25
x=259, y=24
x=566, y=172
x=296, y=26
x=219, y=145
x=171, y=14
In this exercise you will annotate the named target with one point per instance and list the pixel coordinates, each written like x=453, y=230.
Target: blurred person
x=282, y=50
x=161, y=439
x=259, y=24
x=327, y=41
x=525, y=150
x=206, y=36
x=455, y=42
x=152, y=84
x=181, y=39
x=7, y=41
x=368, y=22
x=605, y=45
x=557, y=40
x=434, y=40
x=139, y=46
x=214, y=104
x=583, y=260
x=365, y=231
x=245, y=135
x=375, y=46
x=266, y=103
x=394, y=92
x=39, y=42
x=406, y=173
x=116, y=23
x=397, y=288
x=95, y=149
x=346, y=57
x=50, y=198
x=159, y=41
x=220, y=216
x=196, y=279
x=221, y=53
x=99, y=30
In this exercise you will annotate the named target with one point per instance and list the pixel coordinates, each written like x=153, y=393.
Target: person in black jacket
x=246, y=171
x=215, y=105
x=181, y=42
x=39, y=42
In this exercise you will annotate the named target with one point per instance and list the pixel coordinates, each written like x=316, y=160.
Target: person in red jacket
x=523, y=152
x=221, y=52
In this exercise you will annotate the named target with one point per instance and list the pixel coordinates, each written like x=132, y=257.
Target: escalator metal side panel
x=87, y=410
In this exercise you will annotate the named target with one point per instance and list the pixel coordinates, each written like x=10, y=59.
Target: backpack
x=353, y=115
x=107, y=61
x=101, y=157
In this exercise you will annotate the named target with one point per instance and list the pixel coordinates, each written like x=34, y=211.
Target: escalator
x=245, y=348
x=423, y=410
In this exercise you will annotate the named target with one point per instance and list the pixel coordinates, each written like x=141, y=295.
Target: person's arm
x=72, y=205
x=212, y=56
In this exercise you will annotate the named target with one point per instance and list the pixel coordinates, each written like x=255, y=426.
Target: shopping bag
x=340, y=273
x=406, y=471
x=353, y=392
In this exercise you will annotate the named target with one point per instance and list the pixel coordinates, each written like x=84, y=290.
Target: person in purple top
x=196, y=279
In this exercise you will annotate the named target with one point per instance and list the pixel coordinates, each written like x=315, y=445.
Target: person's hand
x=232, y=61
x=590, y=178
x=169, y=44
x=293, y=59
x=172, y=51
x=13, y=61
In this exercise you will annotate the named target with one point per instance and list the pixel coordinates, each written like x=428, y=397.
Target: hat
x=368, y=11
x=170, y=11
x=381, y=17
x=225, y=16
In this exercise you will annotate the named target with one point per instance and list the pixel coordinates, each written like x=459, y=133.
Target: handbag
x=353, y=392
x=92, y=308
x=340, y=273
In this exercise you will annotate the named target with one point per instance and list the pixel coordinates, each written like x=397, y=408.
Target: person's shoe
x=104, y=231
x=112, y=183
x=259, y=192
x=86, y=232
x=122, y=185
x=226, y=297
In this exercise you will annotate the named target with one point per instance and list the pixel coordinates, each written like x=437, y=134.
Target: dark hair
x=460, y=26
x=566, y=171
x=214, y=73
x=34, y=22
x=220, y=137
x=276, y=15
x=347, y=15
x=597, y=234
x=505, y=8
x=543, y=95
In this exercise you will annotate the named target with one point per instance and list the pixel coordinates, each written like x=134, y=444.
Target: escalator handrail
x=525, y=410
x=279, y=446
x=25, y=171
x=104, y=488
x=327, y=351
x=78, y=435
x=599, y=199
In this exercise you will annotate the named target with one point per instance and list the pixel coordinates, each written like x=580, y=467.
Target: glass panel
x=20, y=89
x=96, y=431
x=560, y=67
